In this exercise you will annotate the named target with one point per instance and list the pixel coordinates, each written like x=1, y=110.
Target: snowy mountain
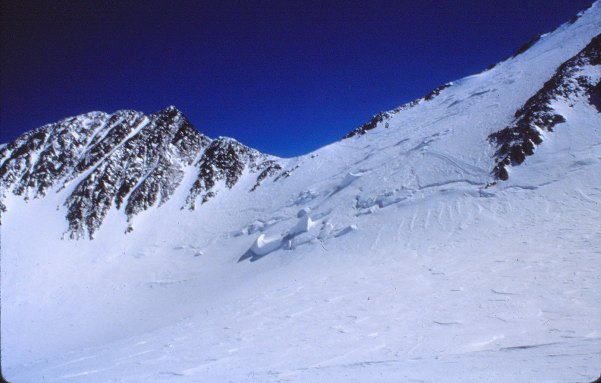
x=135, y=248
x=126, y=159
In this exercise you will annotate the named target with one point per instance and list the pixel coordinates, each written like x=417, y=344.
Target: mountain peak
x=398, y=255
x=125, y=160
x=171, y=109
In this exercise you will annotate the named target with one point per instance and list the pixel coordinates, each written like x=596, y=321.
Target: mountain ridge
x=98, y=144
x=126, y=158
x=388, y=256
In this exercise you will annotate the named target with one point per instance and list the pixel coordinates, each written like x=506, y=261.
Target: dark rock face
x=436, y=92
x=137, y=172
x=595, y=97
x=518, y=140
x=371, y=124
x=34, y=162
x=527, y=45
x=530, y=43
x=579, y=14
x=225, y=159
x=267, y=169
x=523, y=48
x=382, y=117
x=127, y=160
x=286, y=173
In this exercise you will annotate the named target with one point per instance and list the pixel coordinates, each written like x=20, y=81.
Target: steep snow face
x=391, y=255
x=577, y=78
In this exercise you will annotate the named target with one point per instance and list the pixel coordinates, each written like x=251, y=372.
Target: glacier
x=414, y=249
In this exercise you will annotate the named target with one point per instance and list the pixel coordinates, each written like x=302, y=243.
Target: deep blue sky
x=285, y=77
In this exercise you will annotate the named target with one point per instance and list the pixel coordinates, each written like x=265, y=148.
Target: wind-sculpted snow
x=576, y=78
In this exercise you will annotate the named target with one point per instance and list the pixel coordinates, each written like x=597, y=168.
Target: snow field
x=388, y=257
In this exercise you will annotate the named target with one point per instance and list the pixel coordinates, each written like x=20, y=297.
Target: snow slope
x=389, y=256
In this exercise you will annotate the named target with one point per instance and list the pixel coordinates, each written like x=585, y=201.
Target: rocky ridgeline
x=125, y=160
x=132, y=162
x=383, y=117
x=578, y=77
x=224, y=160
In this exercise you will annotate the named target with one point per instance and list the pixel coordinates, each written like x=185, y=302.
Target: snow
x=304, y=224
x=386, y=257
x=265, y=245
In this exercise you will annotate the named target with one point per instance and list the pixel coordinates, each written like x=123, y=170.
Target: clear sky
x=285, y=77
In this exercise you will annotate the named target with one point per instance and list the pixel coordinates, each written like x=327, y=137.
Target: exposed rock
x=527, y=45
x=144, y=167
x=125, y=160
x=37, y=160
x=286, y=173
x=385, y=116
x=436, y=92
x=371, y=124
x=519, y=140
x=267, y=168
x=579, y=14
x=225, y=160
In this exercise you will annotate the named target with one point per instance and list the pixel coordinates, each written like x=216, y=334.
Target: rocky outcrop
x=382, y=117
x=224, y=160
x=39, y=159
x=267, y=169
x=126, y=160
x=577, y=77
x=527, y=45
x=141, y=170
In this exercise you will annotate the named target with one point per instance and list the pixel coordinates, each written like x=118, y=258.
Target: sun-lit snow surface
x=380, y=258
